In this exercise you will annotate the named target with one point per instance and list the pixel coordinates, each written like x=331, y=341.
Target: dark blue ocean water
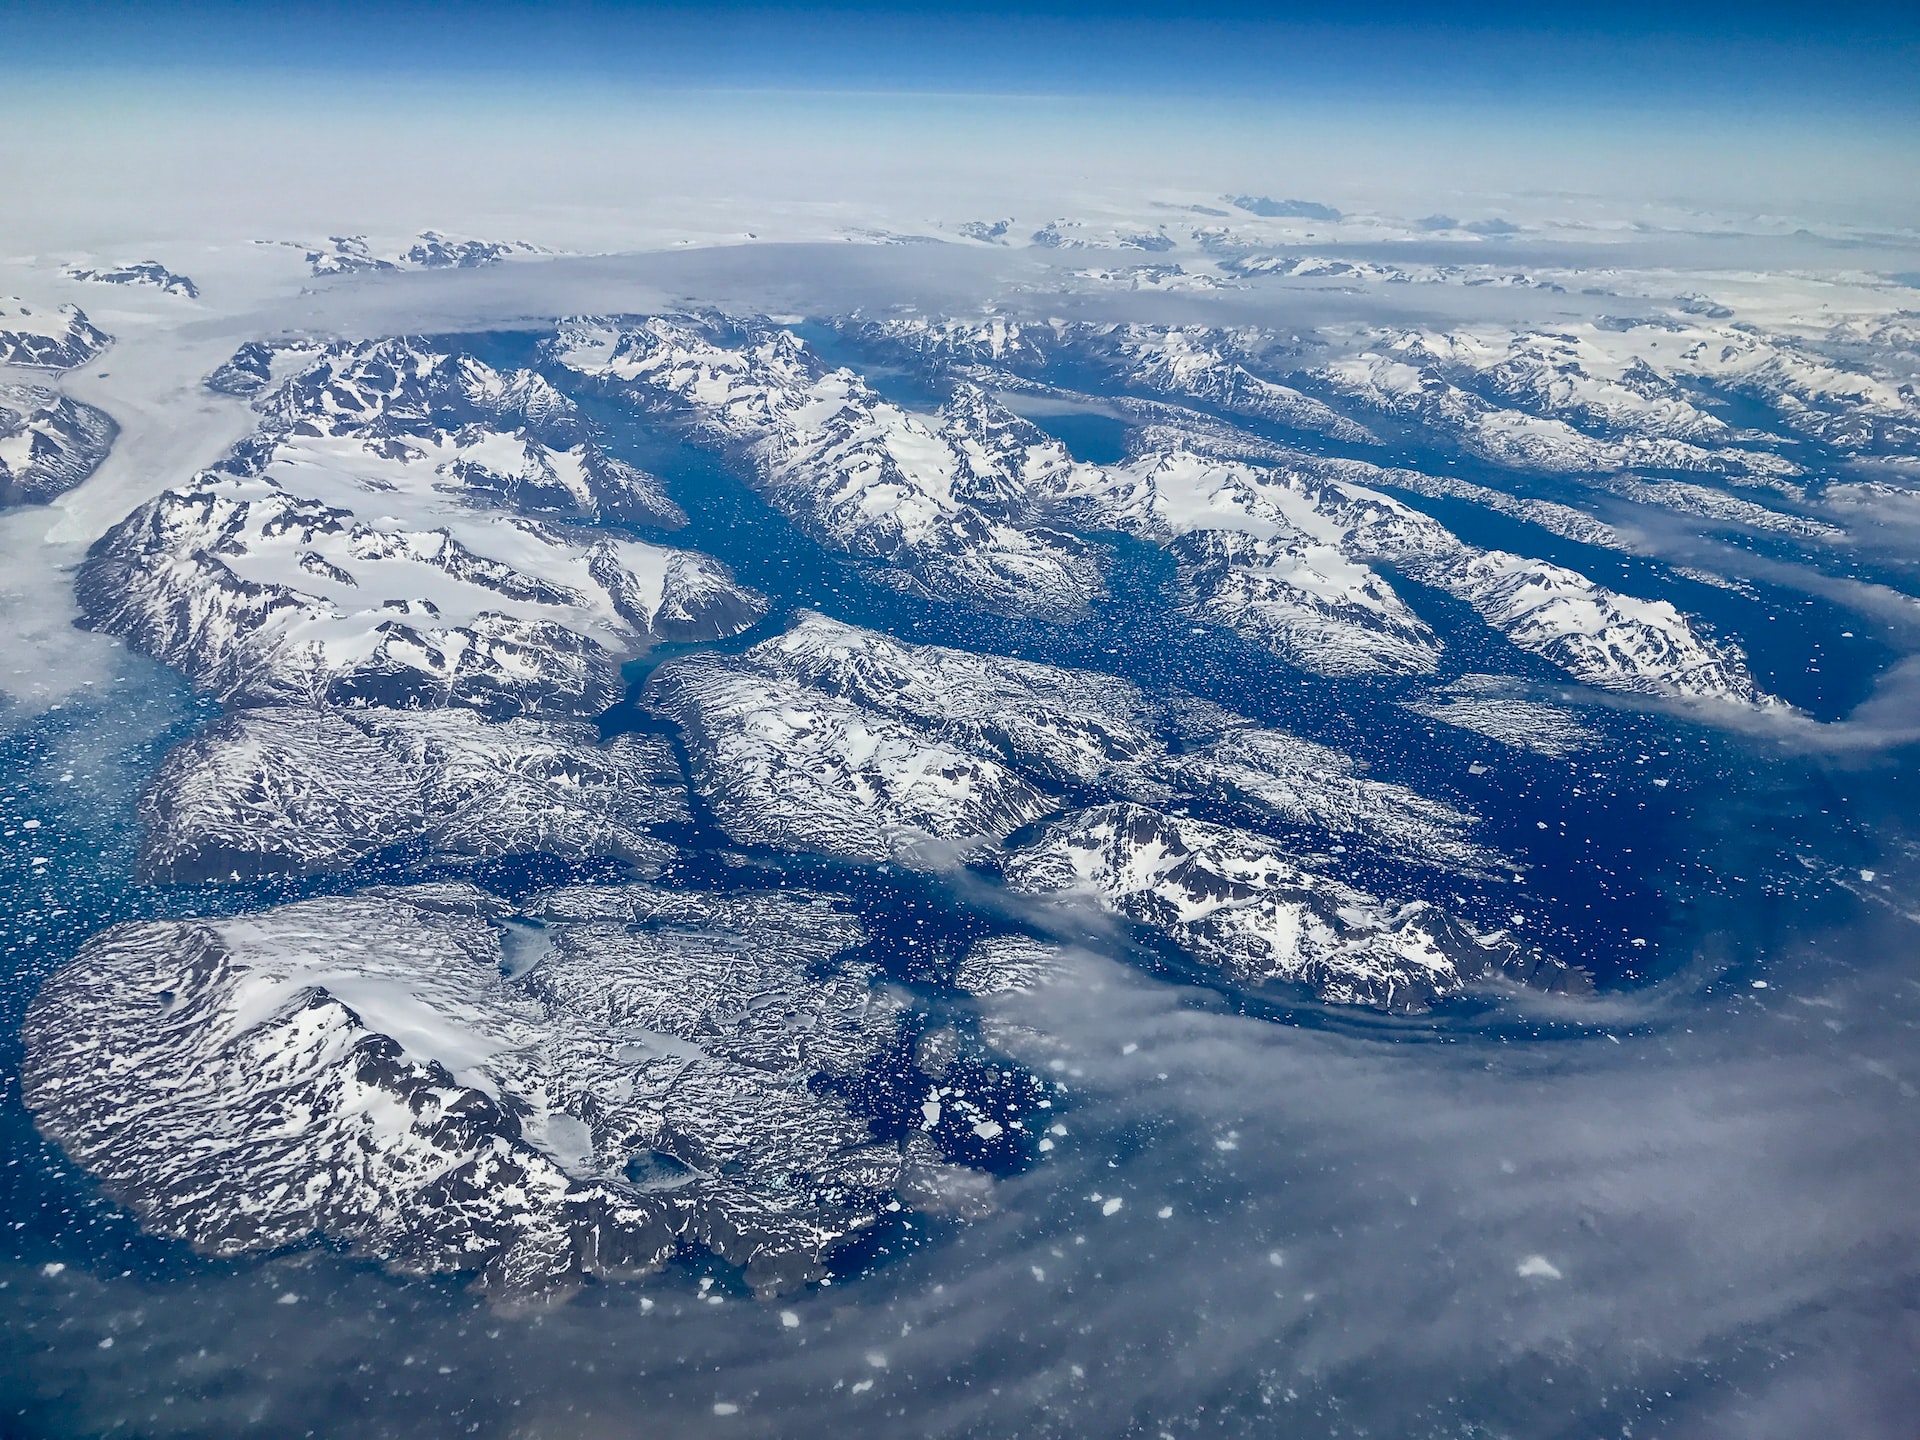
x=1350, y=1200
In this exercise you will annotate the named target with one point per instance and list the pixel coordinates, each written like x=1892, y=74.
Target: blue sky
x=343, y=109
x=1847, y=61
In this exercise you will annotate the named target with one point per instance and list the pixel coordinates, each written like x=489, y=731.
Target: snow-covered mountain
x=845, y=742
x=857, y=472
x=419, y=576
x=1266, y=776
x=48, y=443
x=1545, y=402
x=1702, y=502
x=1189, y=363
x=392, y=535
x=848, y=742
x=292, y=790
x=1285, y=554
x=1643, y=379
x=365, y=1069
x=1407, y=380
x=1591, y=399
x=1235, y=901
x=1327, y=267
x=1063, y=727
x=47, y=337
x=1286, y=547
x=149, y=273
x=429, y=250
x=785, y=766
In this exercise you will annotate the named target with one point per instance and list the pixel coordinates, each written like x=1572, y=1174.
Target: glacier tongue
x=360, y=1068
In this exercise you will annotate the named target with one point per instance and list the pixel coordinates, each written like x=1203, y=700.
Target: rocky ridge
x=857, y=472
x=47, y=337
x=429, y=250
x=48, y=443
x=148, y=273
x=378, y=1071
x=1235, y=902
x=386, y=538
x=287, y=790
